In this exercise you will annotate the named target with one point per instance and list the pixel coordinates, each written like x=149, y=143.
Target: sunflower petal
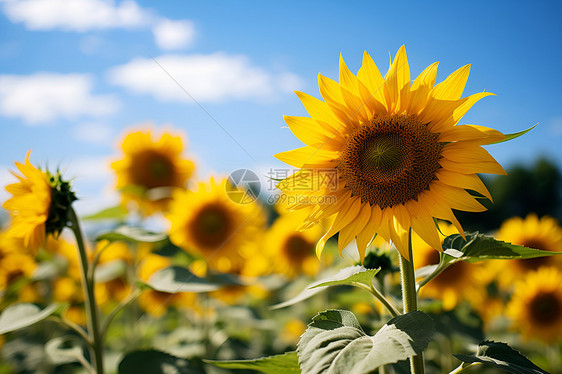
x=452, y=87
x=466, y=181
x=350, y=231
x=398, y=81
x=370, y=229
x=473, y=133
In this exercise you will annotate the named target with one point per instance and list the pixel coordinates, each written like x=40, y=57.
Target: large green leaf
x=478, y=247
x=20, y=315
x=155, y=362
x=132, y=235
x=335, y=343
x=286, y=363
x=502, y=356
x=346, y=276
x=179, y=279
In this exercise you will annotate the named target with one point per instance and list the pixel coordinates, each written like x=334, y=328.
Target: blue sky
x=74, y=78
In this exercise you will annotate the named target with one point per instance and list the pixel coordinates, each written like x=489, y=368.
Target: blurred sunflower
x=293, y=250
x=68, y=290
x=536, y=305
x=156, y=302
x=400, y=158
x=454, y=283
x=115, y=257
x=208, y=223
x=150, y=169
x=541, y=233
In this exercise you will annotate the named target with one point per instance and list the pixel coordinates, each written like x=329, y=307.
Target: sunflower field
x=369, y=256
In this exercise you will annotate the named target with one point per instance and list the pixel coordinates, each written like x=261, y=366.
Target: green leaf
x=478, y=247
x=20, y=315
x=64, y=350
x=132, y=235
x=115, y=212
x=515, y=135
x=334, y=342
x=286, y=363
x=502, y=356
x=155, y=362
x=346, y=276
x=179, y=279
x=360, y=275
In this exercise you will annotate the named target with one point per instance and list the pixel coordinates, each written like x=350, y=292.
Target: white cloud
x=170, y=34
x=77, y=15
x=44, y=97
x=212, y=78
x=87, y=15
x=92, y=132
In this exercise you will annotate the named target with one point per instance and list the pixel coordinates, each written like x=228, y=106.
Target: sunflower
x=150, y=169
x=30, y=204
x=292, y=250
x=536, y=305
x=454, y=283
x=399, y=157
x=541, y=233
x=156, y=302
x=211, y=225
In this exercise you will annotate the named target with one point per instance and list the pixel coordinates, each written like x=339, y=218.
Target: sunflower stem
x=410, y=299
x=89, y=295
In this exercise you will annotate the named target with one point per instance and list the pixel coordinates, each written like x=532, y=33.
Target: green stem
x=89, y=295
x=409, y=298
x=128, y=300
x=380, y=297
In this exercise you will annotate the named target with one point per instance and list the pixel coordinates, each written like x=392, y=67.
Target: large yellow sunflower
x=30, y=204
x=400, y=158
x=536, y=305
x=208, y=223
x=150, y=168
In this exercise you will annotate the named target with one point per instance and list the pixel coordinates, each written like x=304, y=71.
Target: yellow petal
x=366, y=235
x=421, y=88
x=371, y=77
x=397, y=80
x=466, y=181
x=350, y=231
x=313, y=133
x=319, y=110
x=424, y=225
x=473, y=133
x=439, y=209
x=452, y=87
x=457, y=198
x=306, y=155
x=349, y=211
x=473, y=167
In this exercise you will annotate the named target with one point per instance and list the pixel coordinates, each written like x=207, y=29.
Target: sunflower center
x=297, y=248
x=152, y=169
x=211, y=226
x=390, y=160
x=537, y=262
x=545, y=308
